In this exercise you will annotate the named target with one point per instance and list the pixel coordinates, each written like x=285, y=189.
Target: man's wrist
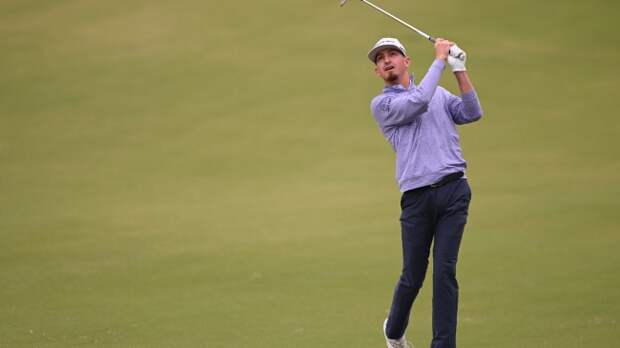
x=462, y=79
x=439, y=63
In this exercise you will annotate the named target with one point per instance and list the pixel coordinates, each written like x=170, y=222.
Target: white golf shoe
x=399, y=343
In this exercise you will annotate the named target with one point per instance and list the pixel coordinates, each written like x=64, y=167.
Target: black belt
x=446, y=179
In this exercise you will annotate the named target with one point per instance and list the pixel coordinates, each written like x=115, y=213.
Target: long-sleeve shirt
x=420, y=124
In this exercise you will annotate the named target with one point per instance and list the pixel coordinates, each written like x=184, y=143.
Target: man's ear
x=407, y=61
x=376, y=69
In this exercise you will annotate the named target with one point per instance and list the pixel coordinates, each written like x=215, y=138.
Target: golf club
x=455, y=51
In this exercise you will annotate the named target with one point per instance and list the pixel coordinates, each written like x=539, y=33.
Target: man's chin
x=391, y=77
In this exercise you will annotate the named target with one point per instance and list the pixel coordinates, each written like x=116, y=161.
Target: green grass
x=208, y=174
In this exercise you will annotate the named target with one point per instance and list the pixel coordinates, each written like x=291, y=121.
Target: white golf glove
x=457, y=64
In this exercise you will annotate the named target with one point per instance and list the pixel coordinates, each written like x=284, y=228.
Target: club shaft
x=425, y=35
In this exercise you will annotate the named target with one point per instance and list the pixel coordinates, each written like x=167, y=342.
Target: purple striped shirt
x=420, y=123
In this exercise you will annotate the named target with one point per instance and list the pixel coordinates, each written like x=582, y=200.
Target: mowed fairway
x=208, y=174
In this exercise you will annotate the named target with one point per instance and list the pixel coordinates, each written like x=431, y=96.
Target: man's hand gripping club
x=447, y=50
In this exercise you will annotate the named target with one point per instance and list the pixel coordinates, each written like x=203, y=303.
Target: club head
x=342, y=2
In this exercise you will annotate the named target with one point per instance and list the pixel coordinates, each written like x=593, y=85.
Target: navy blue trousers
x=429, y=214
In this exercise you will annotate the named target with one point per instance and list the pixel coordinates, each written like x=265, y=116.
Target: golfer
x=419, y=121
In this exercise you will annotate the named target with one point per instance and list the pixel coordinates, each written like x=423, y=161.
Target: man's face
x=391, y=65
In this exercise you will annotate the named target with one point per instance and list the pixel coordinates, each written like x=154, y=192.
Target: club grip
x=457, y=52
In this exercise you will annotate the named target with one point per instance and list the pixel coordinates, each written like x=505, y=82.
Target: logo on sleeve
x=385, y=104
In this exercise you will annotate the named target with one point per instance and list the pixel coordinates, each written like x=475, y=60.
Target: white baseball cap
x=383, y=43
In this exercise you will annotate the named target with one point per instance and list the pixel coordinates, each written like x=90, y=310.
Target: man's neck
x=404, y=80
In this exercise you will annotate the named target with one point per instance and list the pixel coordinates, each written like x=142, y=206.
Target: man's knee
x=445, y=272
x=411, y=282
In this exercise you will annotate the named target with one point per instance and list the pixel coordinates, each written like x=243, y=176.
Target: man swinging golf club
x=419, y=121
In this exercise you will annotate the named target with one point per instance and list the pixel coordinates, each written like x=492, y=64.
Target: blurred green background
x=208, y=174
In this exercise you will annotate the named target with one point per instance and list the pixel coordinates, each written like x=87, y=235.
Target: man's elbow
x=469, y=119
x=476, y=114
x=477, y=117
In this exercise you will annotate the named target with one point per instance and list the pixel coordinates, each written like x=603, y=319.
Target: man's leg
x=417, y=222
x=453, y=200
